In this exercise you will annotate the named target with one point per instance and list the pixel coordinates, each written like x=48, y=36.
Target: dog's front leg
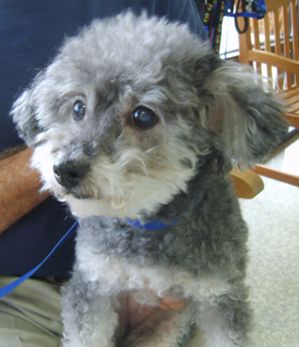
x=89, y=319
x=225, y=320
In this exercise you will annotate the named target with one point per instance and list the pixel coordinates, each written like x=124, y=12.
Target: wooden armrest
x=280, y=62
x=277, y=175
x=247, y=183
x=292, y=119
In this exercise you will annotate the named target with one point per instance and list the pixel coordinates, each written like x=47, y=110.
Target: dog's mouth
x=80, y=193
x=82, y=196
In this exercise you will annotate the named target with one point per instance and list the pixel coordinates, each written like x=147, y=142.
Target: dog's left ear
x=247, y=119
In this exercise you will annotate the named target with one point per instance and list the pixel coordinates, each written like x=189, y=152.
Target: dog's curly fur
x=210, y=113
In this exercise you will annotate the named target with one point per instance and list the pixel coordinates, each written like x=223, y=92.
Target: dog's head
x=123, y=116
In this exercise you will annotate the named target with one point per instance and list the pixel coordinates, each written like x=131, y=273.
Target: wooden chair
x=247, y=184
x=271, y=46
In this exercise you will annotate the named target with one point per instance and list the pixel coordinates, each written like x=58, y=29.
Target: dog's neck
x=211, y=171
x=183, y=208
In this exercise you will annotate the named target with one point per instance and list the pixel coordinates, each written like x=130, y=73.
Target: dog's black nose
x=70, y=173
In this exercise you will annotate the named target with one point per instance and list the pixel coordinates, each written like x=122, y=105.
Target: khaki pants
x=30, y=316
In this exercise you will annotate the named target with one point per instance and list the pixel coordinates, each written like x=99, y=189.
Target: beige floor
x=273, y=269
x=273, y=272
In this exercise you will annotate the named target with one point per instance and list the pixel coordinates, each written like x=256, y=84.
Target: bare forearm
x=19, y=188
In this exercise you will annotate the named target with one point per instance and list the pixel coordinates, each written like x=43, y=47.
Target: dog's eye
x=143, y=118
x=79, y=110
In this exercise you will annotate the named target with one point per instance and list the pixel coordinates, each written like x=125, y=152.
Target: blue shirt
x=31, y=31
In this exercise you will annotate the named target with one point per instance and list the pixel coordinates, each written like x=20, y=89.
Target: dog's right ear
x=23, y=113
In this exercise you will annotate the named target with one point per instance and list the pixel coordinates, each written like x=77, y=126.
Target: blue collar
x=150, y=226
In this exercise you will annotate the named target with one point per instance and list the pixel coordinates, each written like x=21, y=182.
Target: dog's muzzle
x=70, y=173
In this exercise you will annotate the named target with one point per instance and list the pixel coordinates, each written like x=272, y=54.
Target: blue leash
x=153, y=225
x=13, y=285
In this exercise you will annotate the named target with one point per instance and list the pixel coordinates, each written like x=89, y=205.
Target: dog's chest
x=146, y=283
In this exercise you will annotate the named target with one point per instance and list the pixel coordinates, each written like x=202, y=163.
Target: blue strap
x=11, y=286
x=151, y=226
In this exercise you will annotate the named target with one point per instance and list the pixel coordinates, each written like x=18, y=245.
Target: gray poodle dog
x=135, y=125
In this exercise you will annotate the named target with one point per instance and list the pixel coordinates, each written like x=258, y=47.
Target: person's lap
x=30, y=316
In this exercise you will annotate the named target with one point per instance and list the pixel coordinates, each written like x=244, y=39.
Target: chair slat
x=267, y=42
x=256, y=33
x=286, y=32
x=277, y=38
x=257, y=42
x=277, y=33
x=295, y=33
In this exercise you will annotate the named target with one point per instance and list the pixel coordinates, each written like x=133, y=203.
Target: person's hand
x=19, y=188
x=133, y=314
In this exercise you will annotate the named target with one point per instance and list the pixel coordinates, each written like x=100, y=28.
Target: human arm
x=19, y=188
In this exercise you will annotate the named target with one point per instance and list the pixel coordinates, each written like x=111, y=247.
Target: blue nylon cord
x=153, y=225
x=13, y=285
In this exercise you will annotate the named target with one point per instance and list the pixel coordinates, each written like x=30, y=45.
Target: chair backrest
x=271, y=44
